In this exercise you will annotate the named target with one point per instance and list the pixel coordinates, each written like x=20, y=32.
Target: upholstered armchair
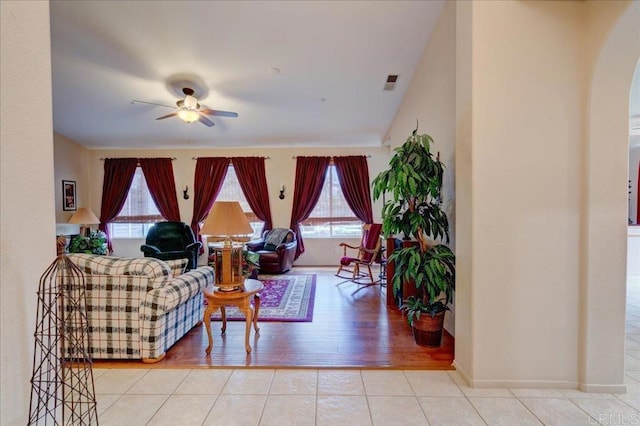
x=277, y=250
x=172, y=240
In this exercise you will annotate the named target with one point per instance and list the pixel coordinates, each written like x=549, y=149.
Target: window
x=231, y=191
x=332, y=216
x=139, y=212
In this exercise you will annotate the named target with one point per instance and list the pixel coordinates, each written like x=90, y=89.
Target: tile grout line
x=526, y=407
x=266, y=399
x=464, y=395
x=415, y=395
x=215, y=401
x=366, y=397
x=168, y=396
x=571, y=400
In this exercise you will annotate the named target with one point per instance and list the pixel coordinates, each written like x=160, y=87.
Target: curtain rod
x=332, y=157
x=118, y=158
x=195, y=158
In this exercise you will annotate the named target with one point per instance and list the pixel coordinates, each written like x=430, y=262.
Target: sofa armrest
x=287, y=246
x=193, y=246
x=176, y=291
x=149, y=249
x=255, y=245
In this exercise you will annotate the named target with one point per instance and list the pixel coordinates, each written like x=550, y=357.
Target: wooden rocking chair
x=367, y=253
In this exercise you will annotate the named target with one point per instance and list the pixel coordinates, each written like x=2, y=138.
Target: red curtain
x=310, y=174
x=158, y=172
x=118, y=175
x=353, y=174
x=210, y=173
x=253, y=181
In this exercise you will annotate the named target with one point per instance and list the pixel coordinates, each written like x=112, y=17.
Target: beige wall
x=280, y=170
x=604, y=218
x=464, y=349
x=525, y=143
x=522, y=109
x=71, y=162
x=431, y=100
x=26, y=193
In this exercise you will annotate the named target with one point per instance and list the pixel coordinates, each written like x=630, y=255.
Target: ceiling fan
x=189, y=111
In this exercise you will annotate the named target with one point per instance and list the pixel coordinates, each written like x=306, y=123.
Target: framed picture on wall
x=69, y=195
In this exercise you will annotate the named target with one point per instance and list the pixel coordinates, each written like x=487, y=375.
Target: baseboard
x=525, y=384
x=585, y=387
x=538, y=384
x=462, y=372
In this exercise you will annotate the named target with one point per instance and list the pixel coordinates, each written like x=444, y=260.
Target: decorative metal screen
x=62, y=388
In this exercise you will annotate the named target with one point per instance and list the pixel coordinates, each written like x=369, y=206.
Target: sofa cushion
x=156, y=270
x=177, y=291
x=177, y=266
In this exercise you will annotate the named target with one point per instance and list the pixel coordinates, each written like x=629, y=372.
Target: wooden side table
x=241, y=299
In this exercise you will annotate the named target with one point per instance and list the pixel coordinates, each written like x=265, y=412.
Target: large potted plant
x=413, y=209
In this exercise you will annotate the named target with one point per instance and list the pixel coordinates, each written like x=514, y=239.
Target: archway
x=603, y=265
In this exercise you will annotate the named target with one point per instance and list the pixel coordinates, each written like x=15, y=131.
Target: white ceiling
x=333, y=58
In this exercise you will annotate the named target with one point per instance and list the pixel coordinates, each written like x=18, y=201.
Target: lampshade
x=188, y=116
x=84, y=216
x=226, y=219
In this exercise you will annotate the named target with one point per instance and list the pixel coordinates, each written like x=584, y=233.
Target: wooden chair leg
x=370, y=274
x=256, y=311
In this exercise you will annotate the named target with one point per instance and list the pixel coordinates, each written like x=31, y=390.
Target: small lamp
x=84, y=217
x=227, y=220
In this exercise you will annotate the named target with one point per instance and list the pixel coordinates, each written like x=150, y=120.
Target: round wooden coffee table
x=241, y=299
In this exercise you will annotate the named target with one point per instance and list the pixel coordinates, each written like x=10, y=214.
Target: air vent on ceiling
x=390, y=84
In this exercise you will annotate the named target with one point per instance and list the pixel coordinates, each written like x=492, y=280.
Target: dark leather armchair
x=277, y=250
x=172, y=240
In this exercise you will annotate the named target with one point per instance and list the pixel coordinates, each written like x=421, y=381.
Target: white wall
x=431, y=100
x=522, y=179
x=527, y=104
x=26, y=193
x=280, y=170
x=606, y=201
x=464, y=349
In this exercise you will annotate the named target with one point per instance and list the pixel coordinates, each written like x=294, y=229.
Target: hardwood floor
x=352, y=327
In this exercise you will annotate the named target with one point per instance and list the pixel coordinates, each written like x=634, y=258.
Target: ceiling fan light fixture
x=190, y=102
x=188, y=116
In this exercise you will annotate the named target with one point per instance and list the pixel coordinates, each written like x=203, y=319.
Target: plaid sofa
x=138, y=308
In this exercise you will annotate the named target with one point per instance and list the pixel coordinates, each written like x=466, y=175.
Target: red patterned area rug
x=285, y=298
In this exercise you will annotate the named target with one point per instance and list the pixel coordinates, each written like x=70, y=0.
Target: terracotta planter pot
x=427, y=331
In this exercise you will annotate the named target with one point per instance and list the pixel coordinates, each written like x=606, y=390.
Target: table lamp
x=84, y=217
x=227, y=220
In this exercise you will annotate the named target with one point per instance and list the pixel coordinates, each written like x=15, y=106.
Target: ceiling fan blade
x=218, y=113
x=204, y=120
x=172, y=114
x=135, y=101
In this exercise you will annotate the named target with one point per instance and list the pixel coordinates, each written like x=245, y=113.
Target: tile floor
x=356, y=397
